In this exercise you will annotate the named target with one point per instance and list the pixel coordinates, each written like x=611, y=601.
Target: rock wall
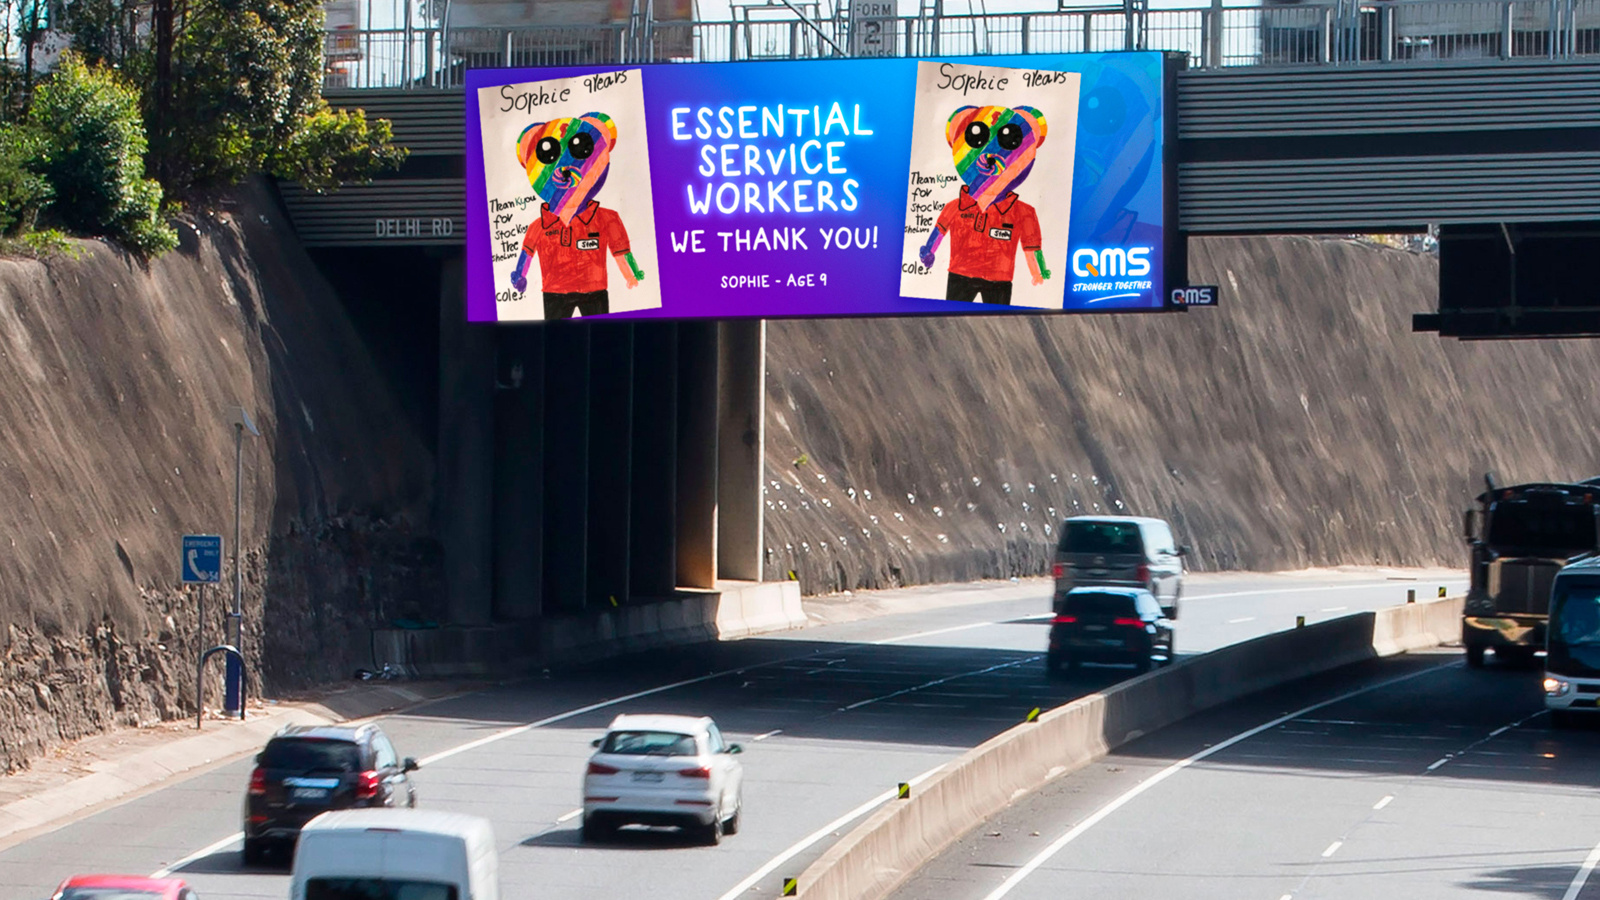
x=1302, y=423
x=114, y=441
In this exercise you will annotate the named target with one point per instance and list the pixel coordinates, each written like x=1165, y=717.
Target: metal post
x=1387, y=33
x=508, y=48
x=1025, y=20
x=1327, y=34
x=1507, y=38
x=235, y=634
x=405, y=52
x=1088, y=32
x=1213, y=43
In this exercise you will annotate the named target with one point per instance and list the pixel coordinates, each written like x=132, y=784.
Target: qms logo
x=1112, y=262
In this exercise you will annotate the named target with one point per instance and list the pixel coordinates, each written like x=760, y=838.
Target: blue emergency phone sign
x=202, y=558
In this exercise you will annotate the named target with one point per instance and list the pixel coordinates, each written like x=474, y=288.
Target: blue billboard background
x=1119, y=202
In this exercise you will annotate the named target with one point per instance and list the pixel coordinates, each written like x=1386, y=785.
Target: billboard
x=822, y=188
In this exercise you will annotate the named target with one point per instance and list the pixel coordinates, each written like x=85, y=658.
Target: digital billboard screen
x=861, y=187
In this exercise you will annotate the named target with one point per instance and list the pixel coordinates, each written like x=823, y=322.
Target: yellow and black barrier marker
x=791, y=887
x=1033, y=715
x=1441, y=592
x=904, y=792
x=1411, y=596
x=793, y=576
x=613, y=600
x=1299, y=621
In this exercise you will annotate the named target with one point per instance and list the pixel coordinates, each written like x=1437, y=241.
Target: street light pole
x=235, y=631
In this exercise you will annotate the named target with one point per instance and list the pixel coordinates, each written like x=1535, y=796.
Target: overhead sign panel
x=821, y=188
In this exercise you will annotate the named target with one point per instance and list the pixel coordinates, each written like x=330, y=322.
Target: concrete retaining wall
x=734, y=610
x=872, y=860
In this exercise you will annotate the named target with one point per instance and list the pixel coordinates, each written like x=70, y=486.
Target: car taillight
x=697, y=772
x=1064, y=620
x=258, y=782
x=367, y=785
x=1142, y=574
x=1134, y=623
x=1058, y=570
x=602, y=769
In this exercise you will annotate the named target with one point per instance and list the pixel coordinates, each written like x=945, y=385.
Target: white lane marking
x=574, y=713
x=819, y=834
x=1042, y=616
x=203, y=852
x=1499, y=731
x=1578, y=880
x=773, y=733
x=1332, y=849
x=1095, y=818
x=1241, y=621
x=1384, y=802
x=1334, y=608
x=938, y=681
x=1438, y=763
x=922, y=634
x=570, y=816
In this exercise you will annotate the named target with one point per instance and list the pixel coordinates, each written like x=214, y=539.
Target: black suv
x=307, y=770
x=1108, y=624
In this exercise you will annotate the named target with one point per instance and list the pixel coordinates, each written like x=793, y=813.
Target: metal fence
x=1341, y=32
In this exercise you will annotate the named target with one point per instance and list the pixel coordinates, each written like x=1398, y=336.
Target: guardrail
x=1341, y=32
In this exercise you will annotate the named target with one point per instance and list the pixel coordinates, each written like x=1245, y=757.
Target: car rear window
x=1087, y=604
x=1101, y=537
x=649, y=743
x=377, y=889
x=312, y=755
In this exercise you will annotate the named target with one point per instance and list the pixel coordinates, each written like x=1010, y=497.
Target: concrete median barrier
x=882, y=851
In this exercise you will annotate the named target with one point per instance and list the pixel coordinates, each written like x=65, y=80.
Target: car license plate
x=1094, y=628
x=647, y=776
x=309, y=793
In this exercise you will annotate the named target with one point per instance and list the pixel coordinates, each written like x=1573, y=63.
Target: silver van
x=1126, y=551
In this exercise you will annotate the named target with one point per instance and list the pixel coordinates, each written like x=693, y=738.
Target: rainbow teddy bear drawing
x=993, y=148
x=566, y=161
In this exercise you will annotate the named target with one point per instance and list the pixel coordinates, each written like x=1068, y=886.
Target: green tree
x=93, y=145
x=23, y=191
x=246, y=89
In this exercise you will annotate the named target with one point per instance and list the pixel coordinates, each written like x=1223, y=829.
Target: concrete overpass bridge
x=1479, y=118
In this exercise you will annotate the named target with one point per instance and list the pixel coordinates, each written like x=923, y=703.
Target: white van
x=395, y=854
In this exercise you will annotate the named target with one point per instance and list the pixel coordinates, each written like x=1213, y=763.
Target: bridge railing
x=1338, y=32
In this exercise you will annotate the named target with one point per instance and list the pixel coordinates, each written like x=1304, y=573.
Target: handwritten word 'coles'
x=949, y=80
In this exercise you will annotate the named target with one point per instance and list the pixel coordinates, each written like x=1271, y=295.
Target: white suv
x=663, y=770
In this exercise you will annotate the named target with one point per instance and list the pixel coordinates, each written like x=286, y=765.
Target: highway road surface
x=832, y=717
x=1412, y=777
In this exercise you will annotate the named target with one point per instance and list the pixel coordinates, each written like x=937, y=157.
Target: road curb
x=221, y=742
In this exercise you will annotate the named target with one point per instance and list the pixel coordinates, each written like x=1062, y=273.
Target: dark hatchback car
x=305, y=771
x=1107, y=624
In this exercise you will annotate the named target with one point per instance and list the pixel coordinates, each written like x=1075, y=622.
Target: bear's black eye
x=581, y=145
x=977, y=135
x=1010, y=137
x=548, y=150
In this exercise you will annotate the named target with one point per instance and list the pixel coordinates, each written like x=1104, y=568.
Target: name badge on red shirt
x=1000, y=234
x=589, y=244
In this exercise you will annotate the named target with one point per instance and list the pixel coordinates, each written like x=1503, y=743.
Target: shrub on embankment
x=114, y=441
x=1302, y=423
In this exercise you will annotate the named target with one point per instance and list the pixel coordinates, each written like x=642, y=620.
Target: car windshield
x=1577, y=616
x=649, y=743
x=1101, y=537
x=377, y=889
x=311, y=755
x=1096, y=604
x=107, y=893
